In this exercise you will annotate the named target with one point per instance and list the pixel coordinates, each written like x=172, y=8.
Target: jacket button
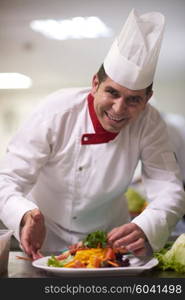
x=75, y=217
x=80, y=168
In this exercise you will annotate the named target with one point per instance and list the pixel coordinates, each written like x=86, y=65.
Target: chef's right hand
x=32, y=233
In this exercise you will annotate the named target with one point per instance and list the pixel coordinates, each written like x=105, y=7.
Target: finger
x=26, y=247
x=120, y=232
x=31, y=247
x=128, y=239
x=40, y=254
x=36, y=215
x=111, y=232
x=136, y=245
x=140, y=252
x=36, y=255
x=24, y=240
x=117, y=231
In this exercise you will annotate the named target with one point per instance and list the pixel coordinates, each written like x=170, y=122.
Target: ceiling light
x=76, y=28
x=14, y=81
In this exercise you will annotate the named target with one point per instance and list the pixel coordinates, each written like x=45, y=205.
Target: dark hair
x=149, y=89
x=102, y=76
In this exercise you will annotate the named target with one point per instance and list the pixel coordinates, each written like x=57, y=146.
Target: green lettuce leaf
x=135, y=200
x=173, y=258
x=54, y=262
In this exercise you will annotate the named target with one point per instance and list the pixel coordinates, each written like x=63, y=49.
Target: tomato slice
x=64, y=255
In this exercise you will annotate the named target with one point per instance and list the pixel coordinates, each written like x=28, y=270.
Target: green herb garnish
x=96, y=239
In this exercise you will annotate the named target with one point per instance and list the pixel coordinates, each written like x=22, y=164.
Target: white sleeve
x=163, y=184
x=178, y=142
x=26, y=154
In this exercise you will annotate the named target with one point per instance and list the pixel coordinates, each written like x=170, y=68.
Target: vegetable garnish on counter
x=172, y=256
x=92, y=252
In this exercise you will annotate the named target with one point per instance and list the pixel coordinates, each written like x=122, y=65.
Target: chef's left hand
x=130, y=236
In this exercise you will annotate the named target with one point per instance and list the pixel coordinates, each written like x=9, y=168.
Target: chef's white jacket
x=176, y=131
x=79, y=188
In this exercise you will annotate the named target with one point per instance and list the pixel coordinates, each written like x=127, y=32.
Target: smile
x=115, y=118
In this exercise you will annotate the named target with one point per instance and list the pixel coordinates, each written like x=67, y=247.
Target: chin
x=112, y=130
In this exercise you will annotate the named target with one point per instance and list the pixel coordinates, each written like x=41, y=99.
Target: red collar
x=101, y=135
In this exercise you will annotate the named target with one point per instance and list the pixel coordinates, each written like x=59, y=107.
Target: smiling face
x=115, y=105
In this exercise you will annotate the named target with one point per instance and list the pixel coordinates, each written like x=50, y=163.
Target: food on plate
x=172, y=256
x=92, y=252
x=95, y=239
x=136, y=202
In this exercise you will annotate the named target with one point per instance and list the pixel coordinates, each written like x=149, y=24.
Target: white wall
x=15, y=107
x=170, y=96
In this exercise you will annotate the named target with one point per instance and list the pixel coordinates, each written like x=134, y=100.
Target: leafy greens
x=96, y=239
x=173, y=258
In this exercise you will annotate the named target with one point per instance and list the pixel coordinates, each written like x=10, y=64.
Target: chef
x=66, y=170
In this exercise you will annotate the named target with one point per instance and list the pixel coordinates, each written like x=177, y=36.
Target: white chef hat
x=132, y=59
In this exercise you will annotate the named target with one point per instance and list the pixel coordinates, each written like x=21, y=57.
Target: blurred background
x=55, y=62
x=49, y=45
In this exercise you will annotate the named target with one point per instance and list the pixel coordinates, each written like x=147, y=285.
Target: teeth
x=115, y=118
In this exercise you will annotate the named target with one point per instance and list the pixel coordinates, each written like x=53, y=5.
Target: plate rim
x=152, y=262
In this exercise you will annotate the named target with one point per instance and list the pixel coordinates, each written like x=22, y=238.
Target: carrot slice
x=114, y=264
x=96, y=262
x=24, y=258
x=110, y=255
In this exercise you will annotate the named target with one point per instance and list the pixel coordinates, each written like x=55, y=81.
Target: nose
x=119, y=105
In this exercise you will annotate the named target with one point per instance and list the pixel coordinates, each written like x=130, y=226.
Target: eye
x=113, y=92
x=133, y=100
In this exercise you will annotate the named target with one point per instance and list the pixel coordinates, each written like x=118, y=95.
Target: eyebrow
x=135, y=96
x=115, y=90
x=111, y=88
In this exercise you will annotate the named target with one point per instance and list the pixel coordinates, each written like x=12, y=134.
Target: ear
x=95, y=84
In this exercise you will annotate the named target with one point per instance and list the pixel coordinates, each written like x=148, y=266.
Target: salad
x=92, y=252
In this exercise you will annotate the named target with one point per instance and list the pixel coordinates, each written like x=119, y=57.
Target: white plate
x=137, y=266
